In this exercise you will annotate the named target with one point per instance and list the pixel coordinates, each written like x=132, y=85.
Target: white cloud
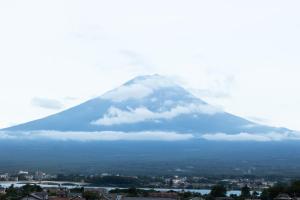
x=127, y=92
x=260, y=137
x=138, y=89
x=140, y=114
x=142, y=136
x=47, y=103
x=135, y=59
x=96, y=136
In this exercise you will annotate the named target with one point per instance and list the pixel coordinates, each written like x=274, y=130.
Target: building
x=4, y=177
x=36, y=196
x=171, y=195
x=145, y=198
x=38, y=175
x=66, y=198
x=283, y=197
x=224, y=198
x=23, y=172
x=2, y=190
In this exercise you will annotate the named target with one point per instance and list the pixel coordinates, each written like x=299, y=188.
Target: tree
x=12, y=193
x=90, y=195
x=27, y=189
x=272, y=192
x=276, y=190
x=294, y=189
x=255, y=194
x=265, y=195
x=245, y=192
x=132, y=192
x=218, y=191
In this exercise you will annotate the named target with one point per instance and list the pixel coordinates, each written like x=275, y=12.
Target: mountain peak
x=144, y=86
x=154, y=79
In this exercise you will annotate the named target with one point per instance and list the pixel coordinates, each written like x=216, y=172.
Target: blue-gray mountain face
x=147, y=103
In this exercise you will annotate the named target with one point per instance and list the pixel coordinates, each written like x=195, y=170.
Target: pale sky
x=241, y=55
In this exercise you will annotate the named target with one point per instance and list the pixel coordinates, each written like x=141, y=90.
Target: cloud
x=134, y=58
x=259, y=137
x=142, y=136
x=258, y=120
x=214, y=87
x=209, y=93
x=96, y=136
x=47, y=103
x=140, y=114
x=123, y=93
x=139, y=88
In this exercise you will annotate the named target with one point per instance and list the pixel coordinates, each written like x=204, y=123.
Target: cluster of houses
x=25, y=175
x=101, y=194
x=281, y=196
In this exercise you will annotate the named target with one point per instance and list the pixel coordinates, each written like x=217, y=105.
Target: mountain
x=149, y=125
x=147, y=103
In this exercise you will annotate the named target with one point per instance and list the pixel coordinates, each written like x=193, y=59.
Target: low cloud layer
x=46, y=103
x=259, y=137
x=96, y=136
x=140, y=114
x=143, y=136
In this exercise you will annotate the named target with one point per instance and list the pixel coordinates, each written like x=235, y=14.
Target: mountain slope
x=146, y=103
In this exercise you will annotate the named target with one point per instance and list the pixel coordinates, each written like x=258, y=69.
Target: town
x=40, y=185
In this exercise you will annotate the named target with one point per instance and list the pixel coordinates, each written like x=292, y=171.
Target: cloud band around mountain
x=259, y=137
x=95, y=136
x=117, y=116
x=143, y=136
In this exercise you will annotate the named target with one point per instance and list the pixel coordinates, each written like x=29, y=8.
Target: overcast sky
x=241, y=55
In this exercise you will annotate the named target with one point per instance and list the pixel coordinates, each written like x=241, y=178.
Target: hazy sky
x=241, y=55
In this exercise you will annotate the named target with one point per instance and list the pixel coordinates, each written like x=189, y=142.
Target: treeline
x=14, y=193
x=112, y=181
x=292, y=189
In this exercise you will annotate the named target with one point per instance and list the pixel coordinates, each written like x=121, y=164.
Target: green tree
x=276, y=190
x=132, y=192
x=245, y=192
x=27, y=189
x=294, y=189
x=90, y=195
x=218, y=191
x=12, y=193
x=255, y=195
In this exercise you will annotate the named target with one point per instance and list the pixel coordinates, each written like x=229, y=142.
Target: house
x=66, y=198
x=62, y=192
x=2, y=190
x=36, y=196
x=171, y=195
x=283, y=196
x=4, y=177
x=197, y=198
x=253, y=199
x=100, y=191
x=145, y=198
x=224, y=198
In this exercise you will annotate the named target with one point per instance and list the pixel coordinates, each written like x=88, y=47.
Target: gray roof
x=283, y=196
x=145, y=198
